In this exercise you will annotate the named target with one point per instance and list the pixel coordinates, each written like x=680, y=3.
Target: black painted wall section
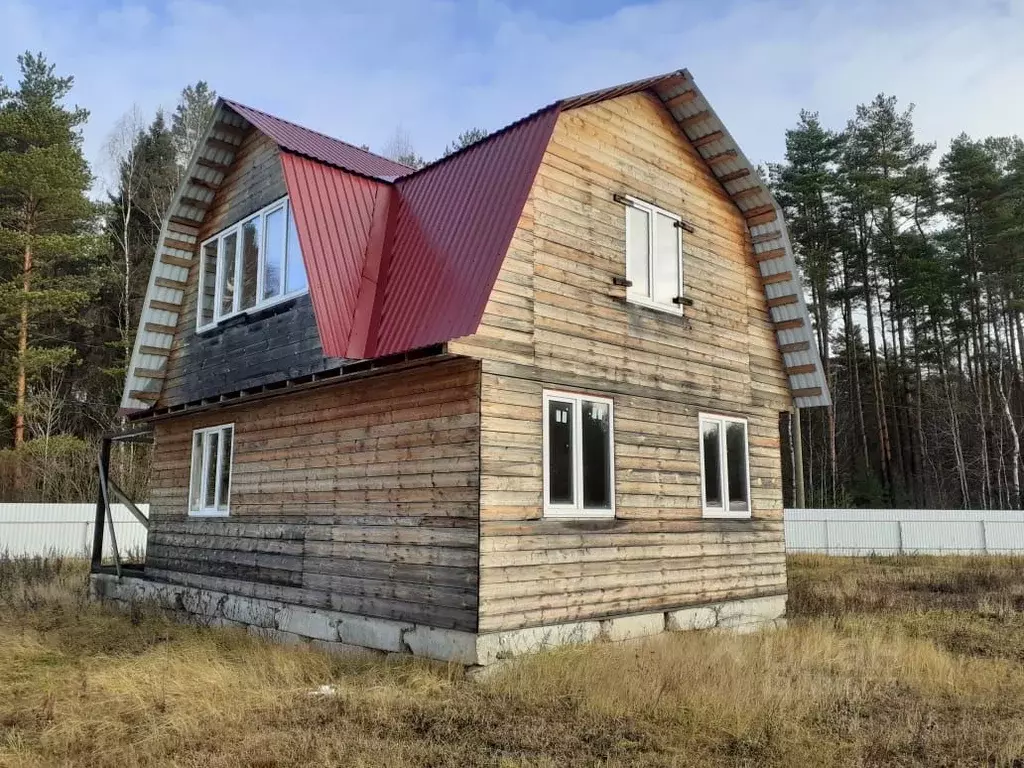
x=278, y=343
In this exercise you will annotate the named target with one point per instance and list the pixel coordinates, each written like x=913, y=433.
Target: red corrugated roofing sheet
x=333, y=216
x=304, y=141
x=395, y=267
x=452, y=228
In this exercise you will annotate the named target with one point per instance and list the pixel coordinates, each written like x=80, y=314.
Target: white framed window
x=579, y=455
x=210, y=479
x=724, y=466
x=252, y=264
x=654, y=256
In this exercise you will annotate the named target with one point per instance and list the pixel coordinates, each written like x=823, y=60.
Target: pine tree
x=805, y=186
x=48, y=249
x=195, y=107
x=464, y=139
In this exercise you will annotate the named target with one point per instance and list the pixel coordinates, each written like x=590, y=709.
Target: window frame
x=646, y=300
x=723, y=460
x=576, y=510
x=282, y=203
x=214, y=511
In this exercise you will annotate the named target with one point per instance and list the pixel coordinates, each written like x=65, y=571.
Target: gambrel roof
x=400, y=259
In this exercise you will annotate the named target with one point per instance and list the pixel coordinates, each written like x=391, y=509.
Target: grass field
x=894, y=662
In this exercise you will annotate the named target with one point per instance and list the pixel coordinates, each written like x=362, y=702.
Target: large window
x=210, y=485
x=725, y=467
x=578, y=456
x=254, y=263
x=654, y=257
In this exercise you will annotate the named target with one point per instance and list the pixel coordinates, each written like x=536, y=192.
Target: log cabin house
x=525, y=395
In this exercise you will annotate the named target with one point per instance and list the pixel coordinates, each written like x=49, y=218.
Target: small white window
x=654, y=257
x=250, y=265
x=210, y=484
x=724, y=466
x=579, y=472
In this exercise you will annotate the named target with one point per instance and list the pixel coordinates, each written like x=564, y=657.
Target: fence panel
x=38, y=529
x=904, y=531
x=66, y=529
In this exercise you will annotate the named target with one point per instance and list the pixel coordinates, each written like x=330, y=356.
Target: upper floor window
x=725, y=466
x=654, y=257
x=252, y=264
x=578, y=456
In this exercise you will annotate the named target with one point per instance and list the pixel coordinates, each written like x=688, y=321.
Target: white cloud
x=356, y=70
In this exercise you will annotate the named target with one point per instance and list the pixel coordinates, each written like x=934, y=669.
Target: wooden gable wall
x=555, y=320
x=279, y=343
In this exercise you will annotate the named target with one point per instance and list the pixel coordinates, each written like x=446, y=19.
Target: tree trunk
x=853, y=366
x=954, y=421
x=885, y=451
x=19, y=403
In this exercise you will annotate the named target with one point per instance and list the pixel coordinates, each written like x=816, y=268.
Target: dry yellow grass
x=915, y=661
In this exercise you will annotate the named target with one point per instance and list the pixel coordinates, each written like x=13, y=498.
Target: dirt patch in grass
x=878, y=667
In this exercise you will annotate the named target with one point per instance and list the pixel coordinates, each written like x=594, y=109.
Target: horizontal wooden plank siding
x=361, y=496
x=556, y=321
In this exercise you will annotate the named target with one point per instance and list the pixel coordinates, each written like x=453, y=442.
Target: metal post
x=113, y=540
x=101, y=506
x=798, y=459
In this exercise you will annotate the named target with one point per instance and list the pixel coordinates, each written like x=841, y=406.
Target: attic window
x=654, y=257
x=253, y=264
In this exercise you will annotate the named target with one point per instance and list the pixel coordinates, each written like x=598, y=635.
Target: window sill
x=208, y=513
x=674, y=310
x=252, y=314
x=577, y=514
x=725, y=514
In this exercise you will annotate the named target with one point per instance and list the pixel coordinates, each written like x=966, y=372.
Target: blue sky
x=356, y=70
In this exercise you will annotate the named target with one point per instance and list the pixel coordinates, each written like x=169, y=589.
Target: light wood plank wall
x=556, y=321
x=361, y=497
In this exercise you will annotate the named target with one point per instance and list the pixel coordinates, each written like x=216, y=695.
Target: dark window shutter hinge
x=623, y=282
x=682, y=301
x=685, y=227
x=620, y=199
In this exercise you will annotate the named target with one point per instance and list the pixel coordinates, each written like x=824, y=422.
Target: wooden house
x=525, y=395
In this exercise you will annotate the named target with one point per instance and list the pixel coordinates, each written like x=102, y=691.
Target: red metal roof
x=453, y=226
x=395, y=267
x=304, y=141
x=333, y=216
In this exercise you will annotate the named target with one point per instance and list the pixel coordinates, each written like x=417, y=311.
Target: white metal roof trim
x=787, y=262
x=133, y=381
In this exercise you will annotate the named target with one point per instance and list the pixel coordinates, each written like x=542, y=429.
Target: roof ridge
x=479, y=142
x=232, y=103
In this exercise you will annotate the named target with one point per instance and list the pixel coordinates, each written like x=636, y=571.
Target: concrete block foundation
x=348, y=633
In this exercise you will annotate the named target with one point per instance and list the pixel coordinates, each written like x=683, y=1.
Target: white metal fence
x=66, y=529
x=904, y=531
x=39, y=529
